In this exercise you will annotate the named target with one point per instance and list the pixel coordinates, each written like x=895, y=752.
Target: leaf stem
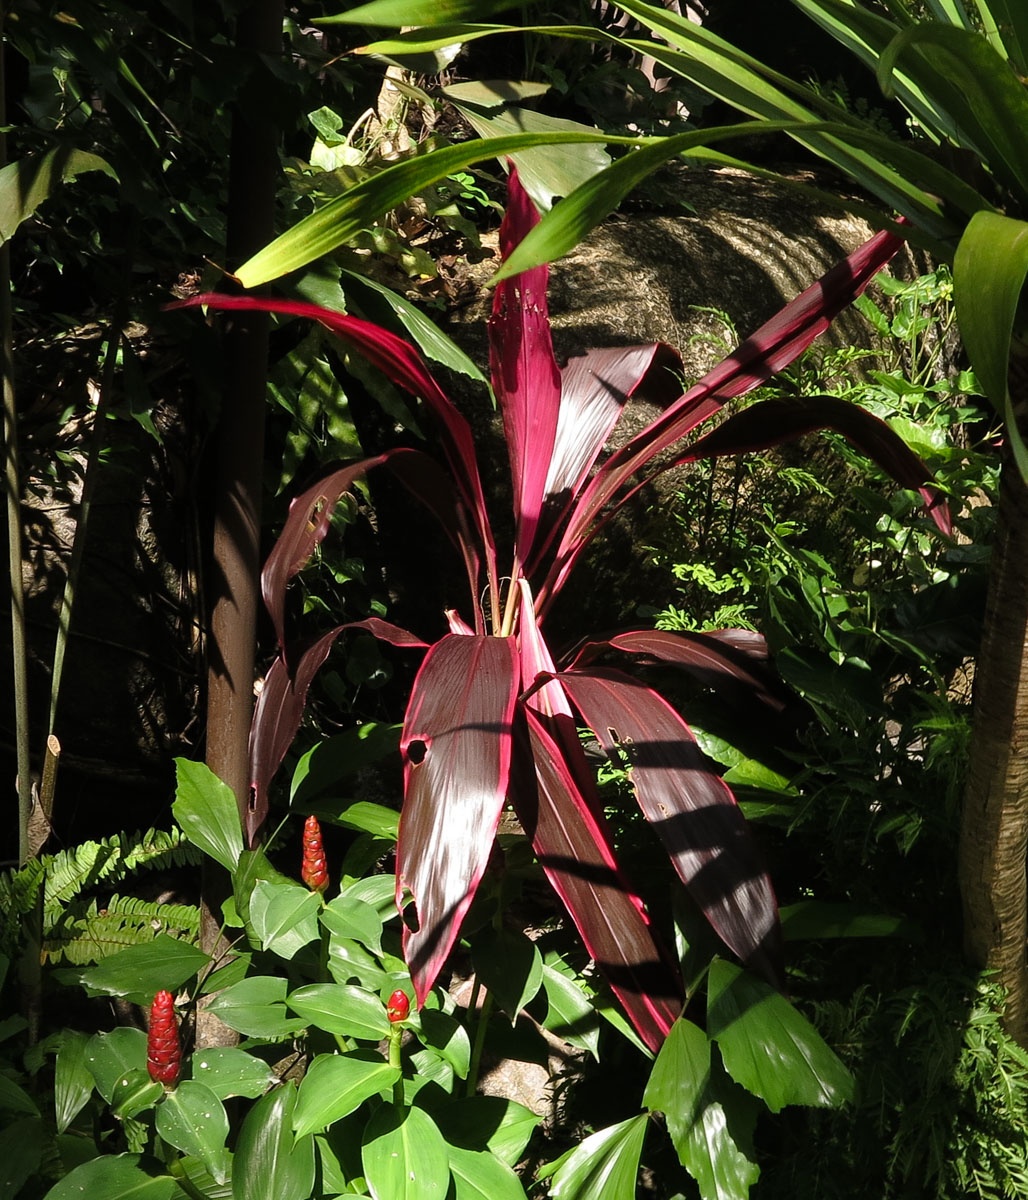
x=471, y=1084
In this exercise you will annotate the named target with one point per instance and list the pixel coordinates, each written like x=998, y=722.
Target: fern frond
x=82, y=938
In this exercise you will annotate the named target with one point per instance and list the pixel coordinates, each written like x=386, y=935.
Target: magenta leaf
x=524, y=372
x=572, y=849
x=689, y=806
x=456, y=749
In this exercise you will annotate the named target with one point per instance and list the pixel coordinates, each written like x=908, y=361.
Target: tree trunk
x=994, y=832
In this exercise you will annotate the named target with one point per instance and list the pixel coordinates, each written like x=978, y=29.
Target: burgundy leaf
x=770, y=422
x=774, y=346
x=691, y=809
x=573, y=850
x=456, y=749
x=400, y=363
x=729, y=660
x=280, y=708
x=524, y=371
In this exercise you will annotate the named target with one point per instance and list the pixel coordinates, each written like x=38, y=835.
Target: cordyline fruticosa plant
x=493, y=711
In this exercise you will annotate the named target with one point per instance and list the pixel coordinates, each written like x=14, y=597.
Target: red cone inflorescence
x=314, y=871
x=398, y=1007
x=163, y=1051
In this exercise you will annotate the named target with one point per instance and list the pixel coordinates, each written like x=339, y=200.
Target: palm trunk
x=994, y=832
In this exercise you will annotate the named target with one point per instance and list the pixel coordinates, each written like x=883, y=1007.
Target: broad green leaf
x=253, y=867
x=191, y=1171
x=269, y=1163
x=989, y=272
x=477, y=1175
x=818, y=919
x=370, y=818
x=603, y=1167
x=336, y=1085
x=73, y=1080
x=21, y=1151
x=192, y=1119
x=343, y=754
x=14, y=1098
x=228, y=1071
x=206, y=811
x=25, y=184
x=341, y=1008
x=404, y=1156
x=448, y=1038
x=256, y=1007
x=503, y=1127
x=139, y=972
x=348, y=960
x=570, y=1015
x=117, y=1177
x=134, y=1093
x=109, y=1056
x=284, y=916
x=348, y=917
x=768, y=1046
x=704, y=1128
x=509, y=965
x=377, y=890
x=394, y=13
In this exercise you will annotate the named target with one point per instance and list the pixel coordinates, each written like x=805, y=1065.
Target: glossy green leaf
x=348, y=917
x=27, y=183
x=341, y=1008
x=570, y=1016
x=503, y=1127
x=117, y=1177
x=192, y=1119
x=509, y=965
x=477, y=1175
x=404, y=1156
x=109, y=1056
x=253, y=866
x=603, y=1167
x=349, y=961
x=343, y=754
x=336, y=1085
x=269, y=1163
x=284, y=916
x=377, y=890
x=768, y=1046
x=139, y=972
x=228, y=1071
x=73, y=1080
x=448, y=1038
x=711, y=1126
x=370, y=818
x=206, y=811
x=134, y=1093
x=21, y=1151
x=989, y=272
x=394, y=13
x=256, y=1007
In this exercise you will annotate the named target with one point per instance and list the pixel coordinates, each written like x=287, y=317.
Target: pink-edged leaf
x=727, y=660
x=689, y=806
x=573, y=850
x=457, y=623
x=456, y=749
x=773, y=347
x=310, y=515
x=400, y=363
x=770, y=422
x=280, y=708
x=524, y=372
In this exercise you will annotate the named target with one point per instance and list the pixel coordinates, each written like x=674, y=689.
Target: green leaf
x=377, y=890
x=370, y=818
x=404, y=1156
x=343, y=754
x=336, y=1085
x=14, y=1098
x=134, y=1093
x=711, y=1126
x=192, y=1119
x=448, y=1038
x=819, y=919
x=341, y=1008
x=139, y=972
x=396, y=13
x=348, y=960
x=284, y=916
x=570, y=1015
x=509, y=965
x=269, y=1163
x=989, y=272
x=348, y=917
x=253, y=867
x=603, y=1167
x=206, y=810
x=117, y=1177
x=73, y=1080
x=21, y=1151
x=503, y=1127
x=768, y=1046
x=24, y=185
x=228, y=1071
x=256, y=1007
x=109, y=1056
x=477, y=1175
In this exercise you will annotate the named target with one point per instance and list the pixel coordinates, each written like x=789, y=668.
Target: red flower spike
x=163, y=1051
x=398, y=1007
x=314, y=871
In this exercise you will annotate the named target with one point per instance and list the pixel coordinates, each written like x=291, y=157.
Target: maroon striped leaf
x=456, y=749
x=573, y=850
x=689, y=806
